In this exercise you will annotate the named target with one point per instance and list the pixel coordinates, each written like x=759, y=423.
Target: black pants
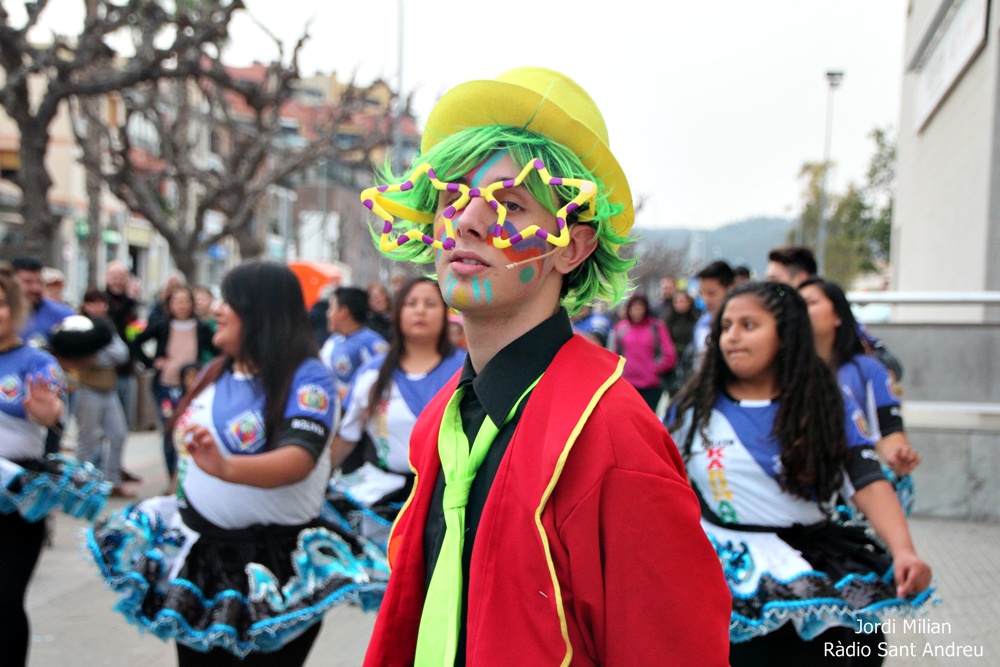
x=785, y=647
x=292, y=654
x=53, y=438
x=20, y=546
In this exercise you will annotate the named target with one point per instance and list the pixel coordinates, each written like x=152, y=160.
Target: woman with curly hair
x=768, y=443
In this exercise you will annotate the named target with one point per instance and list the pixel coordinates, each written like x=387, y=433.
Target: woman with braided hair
x=768, y=442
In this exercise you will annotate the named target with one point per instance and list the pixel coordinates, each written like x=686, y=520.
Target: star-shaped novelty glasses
x=388, y=210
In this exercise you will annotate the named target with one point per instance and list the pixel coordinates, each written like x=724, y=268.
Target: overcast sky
x=712, y=107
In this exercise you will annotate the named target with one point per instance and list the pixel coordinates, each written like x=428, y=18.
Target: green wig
x=602, y=276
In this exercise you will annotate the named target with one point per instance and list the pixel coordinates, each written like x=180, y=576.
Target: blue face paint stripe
x=475, y=289
x=489, y=290
x=480, y=173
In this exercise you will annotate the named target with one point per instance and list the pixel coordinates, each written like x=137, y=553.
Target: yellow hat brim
x=547, y=103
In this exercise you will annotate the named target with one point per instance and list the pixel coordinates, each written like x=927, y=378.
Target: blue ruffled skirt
x=249, y=590
x=815, y=578
x=365, y=502
x=34, y=489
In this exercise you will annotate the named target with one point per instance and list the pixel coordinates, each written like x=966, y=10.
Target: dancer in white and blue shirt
x=351, y=344
x=244, y=563
x=31, y=399
x=770, y=442
x=387, y=396
x=863, y=378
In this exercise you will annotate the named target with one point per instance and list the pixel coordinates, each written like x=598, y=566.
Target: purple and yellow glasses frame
x=388, y=210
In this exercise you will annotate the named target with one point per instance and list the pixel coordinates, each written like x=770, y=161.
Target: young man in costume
x=551, y=522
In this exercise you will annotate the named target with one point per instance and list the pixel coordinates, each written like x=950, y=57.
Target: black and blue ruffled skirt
x=814, y=577
x=245, y=591
x=36, y=488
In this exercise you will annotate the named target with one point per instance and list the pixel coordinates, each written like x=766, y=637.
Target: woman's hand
x=41, y=401
x=902, y=459
x=912, y=574
x=267, y=470
x=205, y=452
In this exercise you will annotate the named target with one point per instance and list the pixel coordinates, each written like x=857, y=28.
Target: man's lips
x=464, y=262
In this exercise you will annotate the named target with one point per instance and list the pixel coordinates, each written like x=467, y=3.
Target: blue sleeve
x=859, y=432
x=377, y=345
x=312, y=394
x=374, y=362
x=880, y=381
x=863, y=466
x=312, y=410
x=44, y=365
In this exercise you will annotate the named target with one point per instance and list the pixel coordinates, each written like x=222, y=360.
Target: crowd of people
x=704, y=477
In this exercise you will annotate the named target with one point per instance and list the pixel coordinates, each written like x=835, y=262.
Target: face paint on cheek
x=453, y=294
x=526, y=275
x=459, y=298
x=482, y=292
x=523, y=250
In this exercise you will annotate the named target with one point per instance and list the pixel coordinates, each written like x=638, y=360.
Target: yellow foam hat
x=546, y=102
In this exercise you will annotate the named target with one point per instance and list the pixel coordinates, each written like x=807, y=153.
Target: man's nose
x=475, y=219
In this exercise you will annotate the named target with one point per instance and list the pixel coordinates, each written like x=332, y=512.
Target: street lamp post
x=834, y=77
x=397, y=138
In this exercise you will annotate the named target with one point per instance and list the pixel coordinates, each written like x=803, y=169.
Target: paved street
x=72, y=621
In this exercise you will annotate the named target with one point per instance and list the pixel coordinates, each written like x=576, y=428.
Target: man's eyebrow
x=465, y=181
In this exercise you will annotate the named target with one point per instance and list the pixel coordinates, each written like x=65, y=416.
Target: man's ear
x=582, y=243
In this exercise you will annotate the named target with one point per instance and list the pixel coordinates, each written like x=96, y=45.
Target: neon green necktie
x=437, y=640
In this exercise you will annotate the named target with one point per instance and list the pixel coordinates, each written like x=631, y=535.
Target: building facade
x=946, y=223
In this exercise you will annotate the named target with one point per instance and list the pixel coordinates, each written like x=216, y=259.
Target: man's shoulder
x=368, y=334
x=56, y=309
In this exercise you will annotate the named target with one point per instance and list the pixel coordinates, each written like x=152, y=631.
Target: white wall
x=942, y=217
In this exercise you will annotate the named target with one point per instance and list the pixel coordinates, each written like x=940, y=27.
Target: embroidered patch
x=890, y=387
x=10, y=388
x=313, y=398
x=56, y=374
x=246, y=431
x=180, y=439
x=343, y=365
x=858, y=417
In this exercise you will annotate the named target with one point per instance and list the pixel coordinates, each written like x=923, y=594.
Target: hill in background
x=744, y=242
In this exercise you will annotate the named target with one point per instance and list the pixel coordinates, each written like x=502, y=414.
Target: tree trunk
x=184, y=259
x=249, y=245
x=38, y=233
x=95, y=230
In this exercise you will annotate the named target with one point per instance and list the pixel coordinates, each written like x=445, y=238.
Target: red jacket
x=589, y=550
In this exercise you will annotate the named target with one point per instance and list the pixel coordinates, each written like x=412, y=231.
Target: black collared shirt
x=493, y=392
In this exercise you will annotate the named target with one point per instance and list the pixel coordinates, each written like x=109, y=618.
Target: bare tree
x=655, y=259
x=38, y=78
x=216, y=142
